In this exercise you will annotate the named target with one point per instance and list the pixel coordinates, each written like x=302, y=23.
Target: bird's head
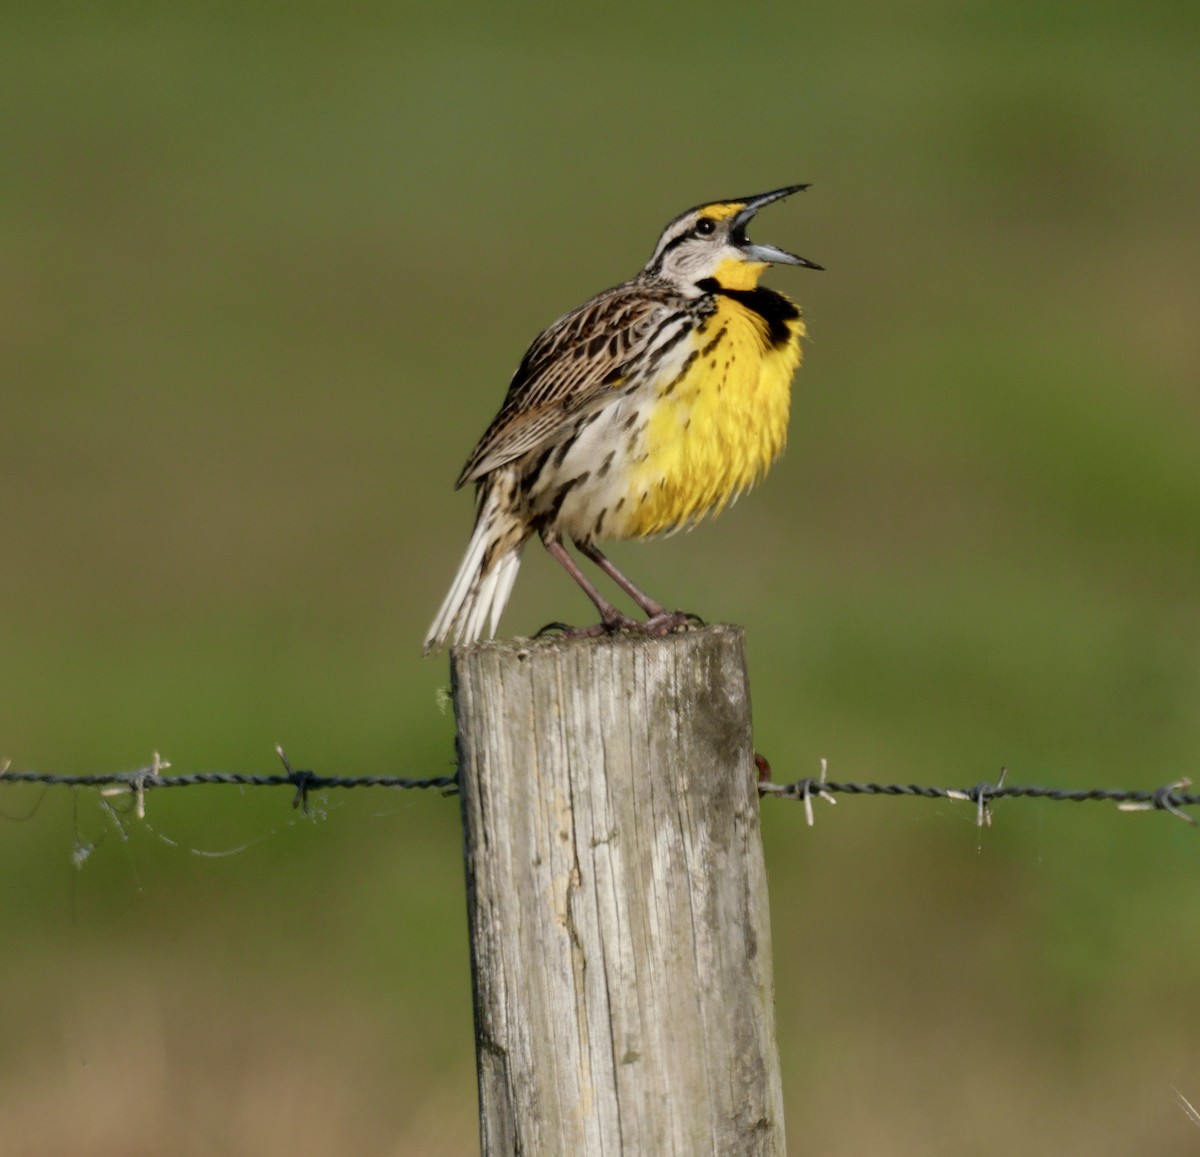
x=710, y=241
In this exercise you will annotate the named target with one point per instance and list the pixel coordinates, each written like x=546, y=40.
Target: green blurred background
x=264, y=273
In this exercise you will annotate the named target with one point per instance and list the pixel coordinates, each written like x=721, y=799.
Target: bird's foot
x=664, y=623
x=610, y=625
x=668, y=622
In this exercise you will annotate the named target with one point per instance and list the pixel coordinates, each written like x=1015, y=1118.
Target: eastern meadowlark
x=651, y=405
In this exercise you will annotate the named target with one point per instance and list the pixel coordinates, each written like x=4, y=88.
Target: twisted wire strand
x=306, y=779
x=1170, y=797
x=992, y=792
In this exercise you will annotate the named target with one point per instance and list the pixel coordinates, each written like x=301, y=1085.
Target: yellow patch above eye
x=723, y=209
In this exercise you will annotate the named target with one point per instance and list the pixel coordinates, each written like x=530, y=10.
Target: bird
x=648, y=407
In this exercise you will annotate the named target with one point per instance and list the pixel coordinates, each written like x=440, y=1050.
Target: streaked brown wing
x=570, y=367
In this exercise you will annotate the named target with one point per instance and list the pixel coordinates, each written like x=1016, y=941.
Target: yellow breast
x=713, y=430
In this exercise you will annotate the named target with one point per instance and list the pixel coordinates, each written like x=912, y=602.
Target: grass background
x=264, y=273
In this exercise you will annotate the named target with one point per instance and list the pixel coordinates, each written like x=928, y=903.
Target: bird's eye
x=705, y=226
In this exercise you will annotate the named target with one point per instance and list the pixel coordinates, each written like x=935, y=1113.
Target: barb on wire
x=802, y=789
x=137, y=783
x=981, y=796
x=1165, y=798
x=302, y=779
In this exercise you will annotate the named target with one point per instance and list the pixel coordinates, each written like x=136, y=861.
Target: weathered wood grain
x=620, y=934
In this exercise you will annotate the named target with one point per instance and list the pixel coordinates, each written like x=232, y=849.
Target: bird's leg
x=611, y=619
x=659, y=621
x=638, y=595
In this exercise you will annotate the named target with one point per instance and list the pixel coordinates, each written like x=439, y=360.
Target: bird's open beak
x=767, y=253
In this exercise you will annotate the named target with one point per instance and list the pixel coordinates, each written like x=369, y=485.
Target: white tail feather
x=476, y=599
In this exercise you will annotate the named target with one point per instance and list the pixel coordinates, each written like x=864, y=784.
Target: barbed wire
x=145, y=779
x=1171, y=798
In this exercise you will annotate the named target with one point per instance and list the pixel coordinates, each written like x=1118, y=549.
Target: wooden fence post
x=620, y=937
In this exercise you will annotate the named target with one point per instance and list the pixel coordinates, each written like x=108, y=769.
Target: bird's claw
x=668, y=622
x=657, y=626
